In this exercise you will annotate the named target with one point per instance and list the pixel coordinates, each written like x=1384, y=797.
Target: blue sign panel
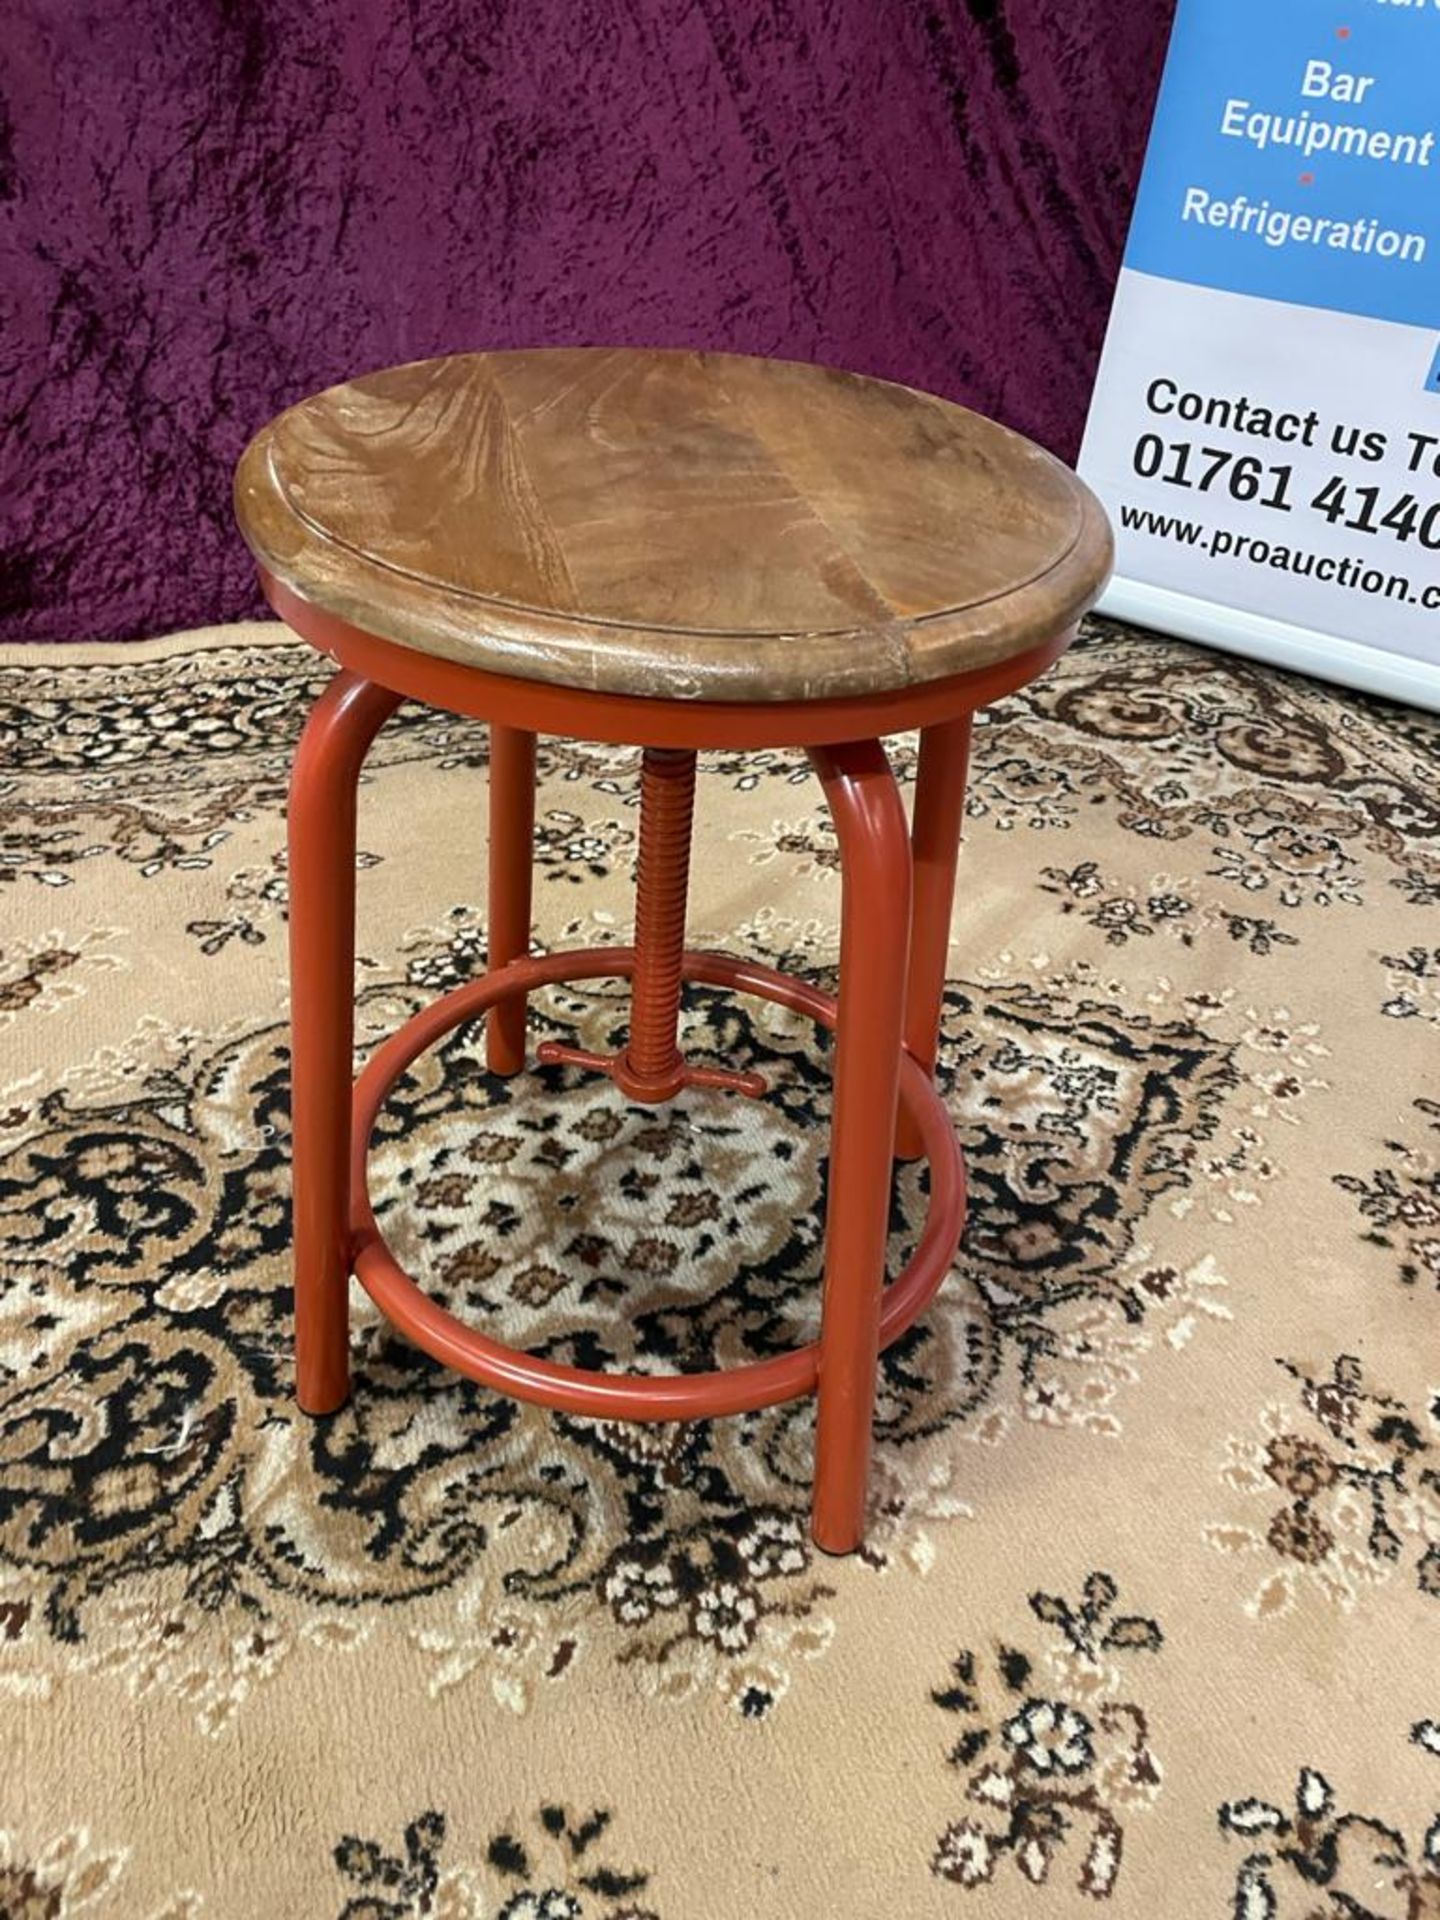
x=1294, y=156
x=1265, y=427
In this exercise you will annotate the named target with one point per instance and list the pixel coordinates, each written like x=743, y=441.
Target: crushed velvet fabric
x=209, y=211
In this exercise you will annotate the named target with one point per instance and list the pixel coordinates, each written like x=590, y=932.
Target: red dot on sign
x=1307, y=179
x=1342, y=33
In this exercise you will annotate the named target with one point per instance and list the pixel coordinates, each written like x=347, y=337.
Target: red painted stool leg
x=874, y=944
x=512, y=837
x=935, y=842
x=343, y=722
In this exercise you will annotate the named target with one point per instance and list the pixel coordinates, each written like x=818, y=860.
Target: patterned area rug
x=1149, y=1612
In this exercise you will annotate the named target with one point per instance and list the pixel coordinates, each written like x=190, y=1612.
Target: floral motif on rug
x=1350, y=1477
x=1053, y=1760
x=552, y=1866
x=1318, y=1862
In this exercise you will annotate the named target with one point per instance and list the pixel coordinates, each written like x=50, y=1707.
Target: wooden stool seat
x=671, y=525
x=675, y=551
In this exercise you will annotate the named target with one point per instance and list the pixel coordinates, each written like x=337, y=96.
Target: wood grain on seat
x=682, y=525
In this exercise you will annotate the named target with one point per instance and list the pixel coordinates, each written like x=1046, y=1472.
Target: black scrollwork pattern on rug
x=164, y=1511
x=166, y=1516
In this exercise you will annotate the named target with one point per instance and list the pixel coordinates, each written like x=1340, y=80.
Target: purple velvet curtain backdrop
x=209, y=208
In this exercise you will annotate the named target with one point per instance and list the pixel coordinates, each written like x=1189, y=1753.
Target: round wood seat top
x=679, y=525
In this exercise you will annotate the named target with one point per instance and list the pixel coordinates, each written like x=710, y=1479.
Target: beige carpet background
x=1148, y=1615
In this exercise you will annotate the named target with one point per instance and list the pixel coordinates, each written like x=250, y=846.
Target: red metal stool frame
x=897, y=889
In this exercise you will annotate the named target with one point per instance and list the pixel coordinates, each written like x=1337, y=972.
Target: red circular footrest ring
x=619, y=1396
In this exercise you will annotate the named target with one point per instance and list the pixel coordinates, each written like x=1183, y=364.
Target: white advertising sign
x=1265, y=429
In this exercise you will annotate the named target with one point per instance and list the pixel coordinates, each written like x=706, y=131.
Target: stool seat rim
x=321, y=497
x=601, y=717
